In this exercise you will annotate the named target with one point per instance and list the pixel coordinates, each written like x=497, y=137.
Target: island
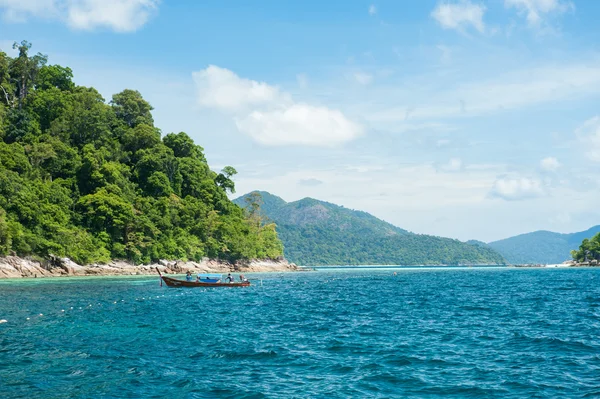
x=588, y=253
x=94, y=187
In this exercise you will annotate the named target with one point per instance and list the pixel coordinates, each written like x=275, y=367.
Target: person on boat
x=242, y=278
x=230, y=278
x=188, y=276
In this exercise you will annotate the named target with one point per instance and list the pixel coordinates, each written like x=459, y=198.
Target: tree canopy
x=588, y=250
x=91, y=180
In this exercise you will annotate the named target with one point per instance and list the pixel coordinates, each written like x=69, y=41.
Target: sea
x=334, y=333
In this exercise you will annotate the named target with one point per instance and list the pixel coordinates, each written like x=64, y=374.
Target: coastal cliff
x=17, y=267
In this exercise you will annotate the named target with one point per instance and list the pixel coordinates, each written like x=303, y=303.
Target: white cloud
x=459, y=15
x=19, y=10
x=118, y=15
x=269, y=115
x=372, y=9
x=299, y=124
x=549, y=164
x=223, y=89
x=514, y=189
x=588, y=135
x=363, y=78
x=534, y=10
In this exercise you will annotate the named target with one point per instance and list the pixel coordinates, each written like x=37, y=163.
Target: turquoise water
x=366, y=334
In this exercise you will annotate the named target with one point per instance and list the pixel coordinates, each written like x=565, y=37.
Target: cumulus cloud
x=588, y=135
x=299, y=124
x=118, y=15
x=459, y=15
x=372, y=9
x=223, y=89
x=269, y=115
x=534, y=10
x=514, y=189
x=549, y=164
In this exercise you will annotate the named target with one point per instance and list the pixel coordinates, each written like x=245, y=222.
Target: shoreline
x=15, y=267
x=563, y=265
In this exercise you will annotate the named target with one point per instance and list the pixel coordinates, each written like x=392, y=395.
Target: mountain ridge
x=541, y=246
x=319, y=232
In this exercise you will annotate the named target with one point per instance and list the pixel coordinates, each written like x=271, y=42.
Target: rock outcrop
x=17, y=267
x=593, y=262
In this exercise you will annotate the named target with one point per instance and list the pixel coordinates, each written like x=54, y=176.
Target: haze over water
x=337, y=334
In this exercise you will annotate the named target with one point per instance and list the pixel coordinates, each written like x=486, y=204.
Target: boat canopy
x=209, y=277
x=203, y=276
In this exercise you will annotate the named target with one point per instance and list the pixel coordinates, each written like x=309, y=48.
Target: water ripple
x=492, y=333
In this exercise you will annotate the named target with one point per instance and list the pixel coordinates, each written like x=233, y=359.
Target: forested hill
x=320, y=233
x=541, y=246
x=92, y=180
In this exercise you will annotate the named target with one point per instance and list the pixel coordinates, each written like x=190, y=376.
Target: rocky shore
x=17, y=267
x=567, y=263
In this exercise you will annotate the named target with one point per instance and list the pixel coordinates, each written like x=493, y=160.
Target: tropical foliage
x=320, y=233
x=588, y=250
x=92, y=180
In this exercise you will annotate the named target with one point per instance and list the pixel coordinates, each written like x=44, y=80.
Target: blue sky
x=460, y=118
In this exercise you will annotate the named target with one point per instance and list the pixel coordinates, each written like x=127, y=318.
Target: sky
x=459, y=118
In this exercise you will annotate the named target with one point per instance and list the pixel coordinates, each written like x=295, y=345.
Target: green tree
x=65, y=161
x=5, y=239
x=48, y=106
x=87, y=119
x=131, y=108
x=141, y=137
x=159, y=185
x=224, y=180
x=106, y=211
x=12, y=157
x=7, y=90
x=25, y=69
x=94, y=181
x=39, y=153
x=55, y=76
x=21, y=126
x=588, y=250
x=159, y=159
x=253, y=203
x=183, y=146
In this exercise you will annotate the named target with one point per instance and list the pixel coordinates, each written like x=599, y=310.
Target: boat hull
x=175, y=283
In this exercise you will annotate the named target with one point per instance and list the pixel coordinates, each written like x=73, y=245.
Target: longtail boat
x=176, y=283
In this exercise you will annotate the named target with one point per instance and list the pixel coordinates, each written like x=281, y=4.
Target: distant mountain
x=541, y=246
x=320, y=233
x=478, y=243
